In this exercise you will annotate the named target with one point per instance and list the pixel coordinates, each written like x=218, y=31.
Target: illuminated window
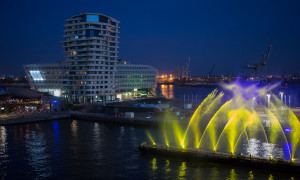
x=57, y=93
x=73, y=53
x=36, y=75
x=92, y=18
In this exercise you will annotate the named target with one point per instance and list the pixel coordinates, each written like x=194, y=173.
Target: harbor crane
x=211, y=70
x=255, y=67
x=185, y=69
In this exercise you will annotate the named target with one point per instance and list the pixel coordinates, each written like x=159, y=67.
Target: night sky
x=161, y=33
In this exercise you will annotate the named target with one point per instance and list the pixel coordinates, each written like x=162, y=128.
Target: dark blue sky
x=161, y=33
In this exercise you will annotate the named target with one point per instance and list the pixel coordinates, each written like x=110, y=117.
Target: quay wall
x=20, y=119
x=101, y=117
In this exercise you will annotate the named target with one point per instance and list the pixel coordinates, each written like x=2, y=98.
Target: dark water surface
x=72, y=149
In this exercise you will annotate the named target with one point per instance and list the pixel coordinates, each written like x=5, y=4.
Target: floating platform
x=195, y=154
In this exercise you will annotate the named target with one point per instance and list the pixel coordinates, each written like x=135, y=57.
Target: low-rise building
x=47, y=78
x=24, y=100
x=135, y=80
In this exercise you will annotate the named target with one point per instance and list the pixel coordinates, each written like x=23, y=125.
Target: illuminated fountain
x=253, y=123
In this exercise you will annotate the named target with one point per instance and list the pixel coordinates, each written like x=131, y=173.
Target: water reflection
x=271, y=177
x=74, y=128
x=3, y=143
x=233, y=175
x=167, y=91
x=97, y=135
x=214, y=173
x=251, y=176
x=75, y=138
x=182, y=170
x=135, y=142
x=3, y=136
x=97, y=141
x=27, y=131
x=96, y=131
x=37, y=156
x=38, y=127
x=121, y=133
x=56, y=136
x=154, y=164
x=167, y=167
x=261, y=149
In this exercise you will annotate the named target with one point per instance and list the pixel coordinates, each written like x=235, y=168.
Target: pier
x=198, y=155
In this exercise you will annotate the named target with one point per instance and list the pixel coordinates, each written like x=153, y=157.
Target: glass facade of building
x=47, y=77
x=135, y=78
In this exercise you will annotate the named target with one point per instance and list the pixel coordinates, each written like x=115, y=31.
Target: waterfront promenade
x=8, y=119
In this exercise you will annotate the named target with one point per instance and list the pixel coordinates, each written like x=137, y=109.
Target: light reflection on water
x=182, y=171
x=173, y=169
x=251, y=176
x=97, y=140
x=167, y=167
x=232, y=175
x=264, y=150
x=167, y=91
x=3, y=145
x=56, y=136
x=74, y=128
x=37, y=157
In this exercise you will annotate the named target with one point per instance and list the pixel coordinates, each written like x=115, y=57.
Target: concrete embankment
x=19, y=119
x=101, y=117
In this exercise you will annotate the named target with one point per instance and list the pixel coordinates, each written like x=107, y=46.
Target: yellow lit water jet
x=210, y=131
x=150, y=137
x=248, y=120
x=208, y=105
x=276, y=130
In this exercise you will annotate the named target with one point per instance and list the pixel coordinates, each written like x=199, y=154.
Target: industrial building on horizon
x=91, y=72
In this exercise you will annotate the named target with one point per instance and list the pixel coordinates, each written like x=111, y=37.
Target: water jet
x=253, y=126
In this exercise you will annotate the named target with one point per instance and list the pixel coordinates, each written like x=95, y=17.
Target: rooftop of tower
x=82, y=14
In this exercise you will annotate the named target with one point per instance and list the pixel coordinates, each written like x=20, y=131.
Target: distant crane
x=176, y=73
x=185, y=69
x=211, y=70
x=256, y=67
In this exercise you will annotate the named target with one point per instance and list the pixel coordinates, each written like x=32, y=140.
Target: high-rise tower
x=91, y=51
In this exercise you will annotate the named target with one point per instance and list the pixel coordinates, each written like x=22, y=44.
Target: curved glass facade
x=91, y=50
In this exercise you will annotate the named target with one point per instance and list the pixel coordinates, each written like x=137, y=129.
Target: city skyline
x=155, y=89
x=229, y=35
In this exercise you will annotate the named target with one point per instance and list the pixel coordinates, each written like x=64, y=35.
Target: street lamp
x=253, y=101
x=281, y=96
x=268, y=99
